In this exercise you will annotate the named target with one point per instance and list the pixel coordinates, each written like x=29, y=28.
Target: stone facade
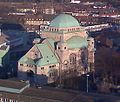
x=72, y=47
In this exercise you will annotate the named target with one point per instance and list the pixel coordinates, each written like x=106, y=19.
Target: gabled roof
x=50, y=41
x=48, y=56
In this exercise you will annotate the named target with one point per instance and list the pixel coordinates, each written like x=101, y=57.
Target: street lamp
x=87, y=85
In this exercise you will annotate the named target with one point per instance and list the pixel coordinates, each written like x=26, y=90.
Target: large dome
x=64, y=21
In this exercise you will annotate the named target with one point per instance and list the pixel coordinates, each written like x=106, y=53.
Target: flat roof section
x=12, y=84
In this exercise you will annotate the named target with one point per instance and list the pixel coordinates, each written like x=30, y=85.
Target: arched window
x=72, y=58
x=52, y=29
x=58, y=47
x=55, y=29
x=68, y=30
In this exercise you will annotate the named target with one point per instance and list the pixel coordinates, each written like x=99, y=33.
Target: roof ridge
x=49, y=45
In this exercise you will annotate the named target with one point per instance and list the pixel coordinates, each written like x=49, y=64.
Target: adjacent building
x=10, y=38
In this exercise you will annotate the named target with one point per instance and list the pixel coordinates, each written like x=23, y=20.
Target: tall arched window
x=72, y=58
x=52, y=29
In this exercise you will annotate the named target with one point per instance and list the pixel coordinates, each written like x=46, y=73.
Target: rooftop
x=47, y=58
x=9, y=35
x=4, y=47
x=12, y=84
x=77, y=42
x=64, y=21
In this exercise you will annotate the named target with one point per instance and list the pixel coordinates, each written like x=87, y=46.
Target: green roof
x=51, y=42
x=77, y=42
x=30, y=61
x=23, y=59
x=27, y=60
x=3, y=52
x=48, y=56
x=63, y=21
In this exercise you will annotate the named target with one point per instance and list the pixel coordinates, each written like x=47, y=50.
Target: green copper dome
x=77, y=42
x=63, y=21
